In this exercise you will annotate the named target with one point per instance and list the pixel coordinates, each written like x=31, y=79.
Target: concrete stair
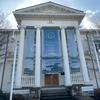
x=56, y=93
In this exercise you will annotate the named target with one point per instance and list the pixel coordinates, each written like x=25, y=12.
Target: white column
x=82, y=57
x=37, y=59
x=20, y=58
x=96, y=54
x=65, y=58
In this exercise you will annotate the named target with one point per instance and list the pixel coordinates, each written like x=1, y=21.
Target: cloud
x=27, y=3
x=95, y=18
x=91, y=20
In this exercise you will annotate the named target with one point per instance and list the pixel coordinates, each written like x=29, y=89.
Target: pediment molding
x=49, y=10
x=49, y=7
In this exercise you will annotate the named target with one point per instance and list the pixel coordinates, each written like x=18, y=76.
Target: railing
x=77, y=78
x=28, y=81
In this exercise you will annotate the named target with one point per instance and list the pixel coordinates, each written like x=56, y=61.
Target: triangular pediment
x=48, y=7
x=49, y=10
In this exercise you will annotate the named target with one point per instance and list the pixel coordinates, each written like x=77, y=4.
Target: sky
x=90, y=7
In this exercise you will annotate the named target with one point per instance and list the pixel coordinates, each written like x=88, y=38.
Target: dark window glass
x=97, y=45
x=72, y=49
x=52, y=65
x=29, y=51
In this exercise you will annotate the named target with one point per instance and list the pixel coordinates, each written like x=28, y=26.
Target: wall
x=58, y=23
x=1, y=70
x=92, y=65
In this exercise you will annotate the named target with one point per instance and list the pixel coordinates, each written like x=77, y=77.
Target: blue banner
x=51, y=51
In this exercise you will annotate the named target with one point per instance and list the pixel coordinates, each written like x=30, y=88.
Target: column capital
x=77, y=27
x=62, y=27
x=38, y=26
x=21, y=26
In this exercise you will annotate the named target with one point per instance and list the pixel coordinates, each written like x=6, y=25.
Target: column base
x=88, y=83
x=69, y=84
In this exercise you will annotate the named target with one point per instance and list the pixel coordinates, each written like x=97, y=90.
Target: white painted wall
x=7, y=77
x=57, y=23
x=1, y=70
x=9, y=62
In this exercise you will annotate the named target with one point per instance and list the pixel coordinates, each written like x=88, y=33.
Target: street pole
x=13, y=73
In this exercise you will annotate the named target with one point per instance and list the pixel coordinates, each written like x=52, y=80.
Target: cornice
x=59, y=14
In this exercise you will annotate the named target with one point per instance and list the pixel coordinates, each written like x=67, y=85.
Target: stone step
x=57, y=98
x=55, y=94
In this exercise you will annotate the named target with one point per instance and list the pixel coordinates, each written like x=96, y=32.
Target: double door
x=51, y=79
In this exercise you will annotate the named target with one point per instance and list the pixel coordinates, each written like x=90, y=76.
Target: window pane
x=52, y=65
x=97, y=45
x=29, y=52
x=72, y=49
x=28, y=69
x=29, y=43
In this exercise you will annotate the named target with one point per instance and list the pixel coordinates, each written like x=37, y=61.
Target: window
x=51, y=65
x=97, y=45
x=51, y=51
x=72, y=49
x=29, y=51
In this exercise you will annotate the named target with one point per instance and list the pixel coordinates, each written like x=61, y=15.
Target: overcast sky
x=91, y=7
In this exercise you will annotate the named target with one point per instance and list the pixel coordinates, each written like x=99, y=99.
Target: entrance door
x=51, y=79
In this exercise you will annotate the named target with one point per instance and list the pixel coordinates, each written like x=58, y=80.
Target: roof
x=48, y=9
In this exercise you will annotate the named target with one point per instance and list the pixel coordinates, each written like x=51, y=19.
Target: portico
x=47, y=57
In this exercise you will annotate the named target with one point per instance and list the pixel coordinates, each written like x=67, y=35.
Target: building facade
x=52, y=51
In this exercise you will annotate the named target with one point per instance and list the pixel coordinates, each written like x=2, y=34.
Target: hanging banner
x=51, y=51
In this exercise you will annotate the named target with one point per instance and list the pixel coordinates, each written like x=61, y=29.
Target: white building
x=52, y=52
